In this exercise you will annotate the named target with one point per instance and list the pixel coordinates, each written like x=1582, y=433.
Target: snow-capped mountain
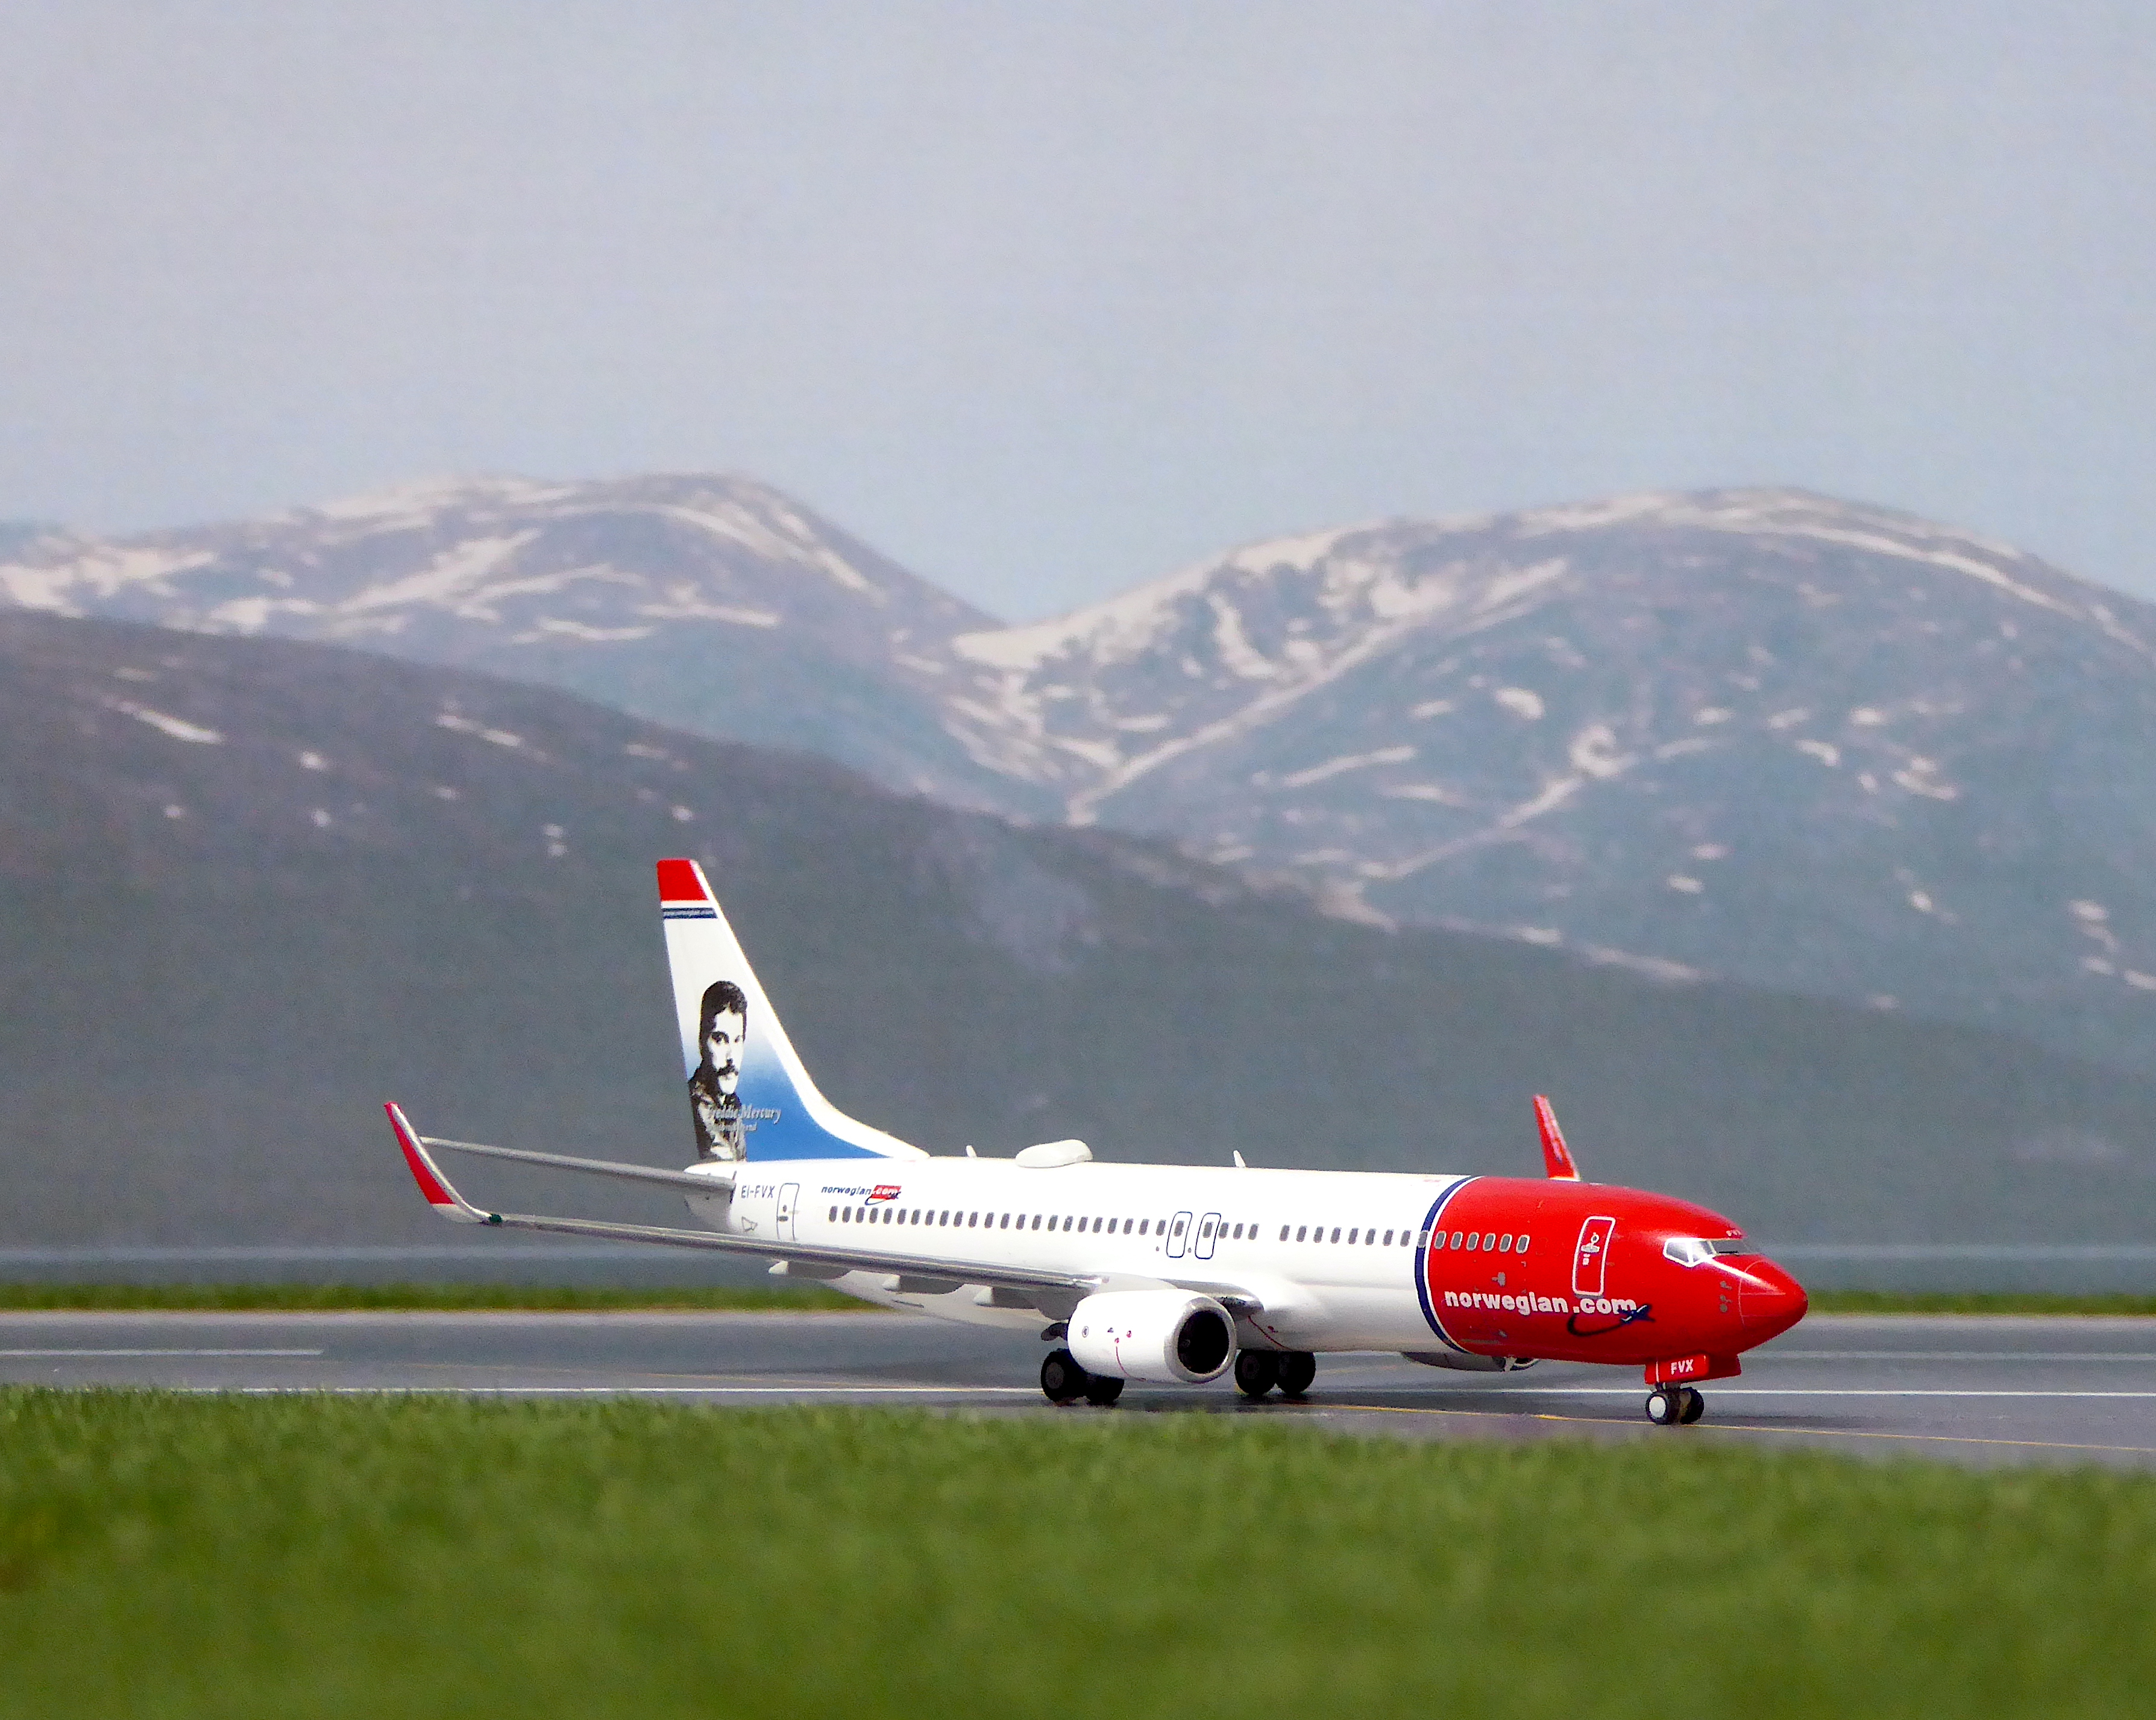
x=1759, y=734
x=712, y=603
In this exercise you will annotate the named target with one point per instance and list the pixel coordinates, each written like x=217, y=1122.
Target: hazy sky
x=1045, y=299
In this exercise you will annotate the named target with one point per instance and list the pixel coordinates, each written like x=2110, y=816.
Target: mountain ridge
x=249, y=888
x=1806, y=744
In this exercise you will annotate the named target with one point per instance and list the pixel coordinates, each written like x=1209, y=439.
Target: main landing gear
x=1257, y=1372
x=1063, y=1381
x=1675, y=1405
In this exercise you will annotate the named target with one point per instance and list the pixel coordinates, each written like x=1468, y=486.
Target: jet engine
x=1171, y=1336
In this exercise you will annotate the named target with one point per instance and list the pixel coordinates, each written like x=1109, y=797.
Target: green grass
x=235, y=1298
x=1895, y=1302
x=429, y=1557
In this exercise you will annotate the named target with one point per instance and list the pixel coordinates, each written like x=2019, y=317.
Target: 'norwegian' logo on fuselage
x=884, y=1191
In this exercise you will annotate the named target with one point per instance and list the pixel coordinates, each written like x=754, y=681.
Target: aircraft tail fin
x=749, y=1096
x=1557, y=1157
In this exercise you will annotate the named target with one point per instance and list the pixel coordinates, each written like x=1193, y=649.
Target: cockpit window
x=1696, y=1250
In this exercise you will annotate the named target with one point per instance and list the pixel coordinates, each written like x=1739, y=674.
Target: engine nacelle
x=1464, y=1363
x=1172, y=1335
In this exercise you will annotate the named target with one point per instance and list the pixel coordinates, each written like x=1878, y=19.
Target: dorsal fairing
x=749, y=1096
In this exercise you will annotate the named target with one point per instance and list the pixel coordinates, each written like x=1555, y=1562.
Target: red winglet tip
x=1557, y=1157
x=415, y=1161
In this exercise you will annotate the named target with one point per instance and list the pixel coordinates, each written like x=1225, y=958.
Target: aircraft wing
x=441, y=1195
x=714, y=1181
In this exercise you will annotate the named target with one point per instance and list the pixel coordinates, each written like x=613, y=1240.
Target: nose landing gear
x=1675, y=1405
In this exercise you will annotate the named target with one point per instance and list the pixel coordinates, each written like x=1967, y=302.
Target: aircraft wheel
x=1102, y=1390
x=1061, y=1378
x=1297, y=1368
x=1695, y=1406
x=1664, y=1407
x=1257, y=1372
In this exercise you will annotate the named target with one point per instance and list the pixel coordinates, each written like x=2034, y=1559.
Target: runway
x=1977, y=1390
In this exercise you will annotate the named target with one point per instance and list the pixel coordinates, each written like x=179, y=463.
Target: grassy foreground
x=234, y=1298
x=437, y=1557
x=1896, y=1302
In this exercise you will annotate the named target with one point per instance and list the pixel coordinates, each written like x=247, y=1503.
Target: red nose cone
x=1768, y=1300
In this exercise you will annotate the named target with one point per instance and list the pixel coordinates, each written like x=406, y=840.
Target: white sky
x=1044, y=299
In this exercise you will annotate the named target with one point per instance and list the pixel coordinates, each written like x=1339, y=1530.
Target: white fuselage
x=1330, y=1255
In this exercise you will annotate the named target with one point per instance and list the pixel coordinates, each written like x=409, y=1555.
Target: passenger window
x=1036, y=1221
x=835, y=1215
x=1283, y=1233
x=1351, y=1234
x=1370, y=1238
x=1505, y=1245
x=1438, y=1240
x=1388, y=1239
x=1473, y=1241
x=1455, y=1238
x=1143, y=1223
x=1336, y=1233
x=1423, y=1237
x=1068, y=1221
x=1490, y=1239
x=1126, y=1226
x=1520, y=1246
x=1301, y=1231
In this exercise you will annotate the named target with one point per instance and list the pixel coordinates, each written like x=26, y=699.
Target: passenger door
x=1206, y=1227
x=1178, y=1235
x=1591, y=1256
x=789, y=1197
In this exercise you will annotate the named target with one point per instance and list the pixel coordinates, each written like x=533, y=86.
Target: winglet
x=440, y=1195
x=1557, y=1158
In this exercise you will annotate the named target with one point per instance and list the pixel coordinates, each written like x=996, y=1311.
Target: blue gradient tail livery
x=749, y=1097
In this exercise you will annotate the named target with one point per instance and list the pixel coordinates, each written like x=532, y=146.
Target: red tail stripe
x=678, y=882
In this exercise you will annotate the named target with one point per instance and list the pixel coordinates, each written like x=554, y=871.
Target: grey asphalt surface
x=1978, y=1391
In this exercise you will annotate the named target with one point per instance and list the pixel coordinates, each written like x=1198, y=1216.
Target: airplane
x=1165, y=1274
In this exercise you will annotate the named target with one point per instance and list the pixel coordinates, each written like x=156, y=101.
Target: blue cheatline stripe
x=1422, y=1265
